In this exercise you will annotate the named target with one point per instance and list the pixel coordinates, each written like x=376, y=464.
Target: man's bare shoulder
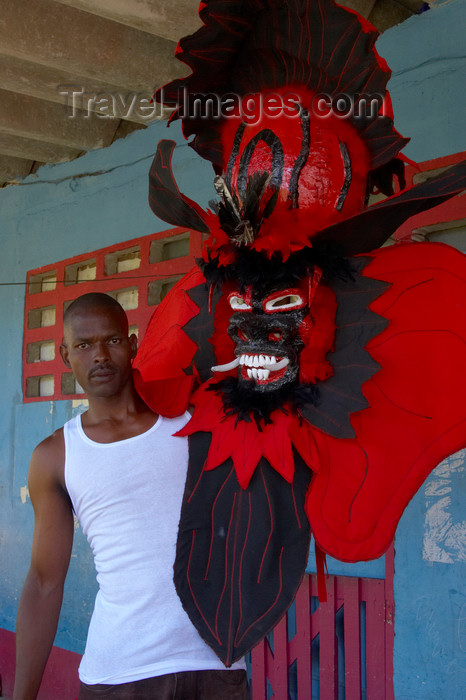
x=48, y=461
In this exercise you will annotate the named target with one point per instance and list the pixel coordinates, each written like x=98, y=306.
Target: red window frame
x=141, y=279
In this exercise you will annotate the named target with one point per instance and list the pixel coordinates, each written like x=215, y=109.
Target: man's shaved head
x=96, y=346
x=92, y=301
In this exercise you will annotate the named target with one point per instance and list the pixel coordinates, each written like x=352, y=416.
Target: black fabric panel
x=341, y=395
x=165, y=199
x=371, y=228
x=200, y=329
x=241, y=554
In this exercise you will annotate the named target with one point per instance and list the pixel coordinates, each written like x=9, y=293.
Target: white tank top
x=127, y=497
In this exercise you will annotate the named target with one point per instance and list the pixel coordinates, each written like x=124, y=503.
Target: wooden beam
x=170, y=19
x=64, y=38
x=364, y=7
x=30, y=149
x=36, y=119
x=388, y=13
x=36, y=80
x=13, y=169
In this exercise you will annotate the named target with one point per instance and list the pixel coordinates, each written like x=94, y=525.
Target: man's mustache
x=105, y=367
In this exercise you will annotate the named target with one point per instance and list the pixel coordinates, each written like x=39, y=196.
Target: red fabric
x=243, y=442
x=417, y=413
x=167, y=351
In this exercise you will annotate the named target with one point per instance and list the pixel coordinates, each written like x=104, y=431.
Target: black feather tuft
x=252, y=268
x=240, y=401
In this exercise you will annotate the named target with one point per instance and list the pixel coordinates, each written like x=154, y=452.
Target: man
x=120, y=469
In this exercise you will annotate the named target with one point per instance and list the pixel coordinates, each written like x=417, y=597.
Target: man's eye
x=115, y=341
x=284, y=302
x=237, y=303
x=83, y=346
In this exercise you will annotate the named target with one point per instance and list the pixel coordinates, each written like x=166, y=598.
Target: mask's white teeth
x=227, y=367
x=256, y=362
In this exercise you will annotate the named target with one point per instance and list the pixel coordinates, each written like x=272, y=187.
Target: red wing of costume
x=326, y=376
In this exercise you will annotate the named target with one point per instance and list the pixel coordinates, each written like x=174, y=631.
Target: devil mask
x=325, y=375
x=267, y=326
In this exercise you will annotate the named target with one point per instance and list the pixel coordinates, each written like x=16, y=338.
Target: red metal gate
x=338, y=650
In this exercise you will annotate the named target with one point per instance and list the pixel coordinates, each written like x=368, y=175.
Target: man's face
x=265, y=329
x=97, y=348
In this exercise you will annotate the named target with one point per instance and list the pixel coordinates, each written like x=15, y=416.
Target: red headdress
x=340, y=374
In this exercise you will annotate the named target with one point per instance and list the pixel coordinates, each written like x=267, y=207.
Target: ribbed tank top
x=127, y=497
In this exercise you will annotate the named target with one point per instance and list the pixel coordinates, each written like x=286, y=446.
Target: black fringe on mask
x=247, y=405
x=252, y=268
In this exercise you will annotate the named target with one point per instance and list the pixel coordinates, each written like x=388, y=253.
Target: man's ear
x=64, y=355
x=133, y=341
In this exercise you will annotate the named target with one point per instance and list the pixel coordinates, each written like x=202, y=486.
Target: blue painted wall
x=427, y=57
x=59, y=213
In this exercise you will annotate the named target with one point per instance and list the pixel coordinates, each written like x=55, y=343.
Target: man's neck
x=112, y=419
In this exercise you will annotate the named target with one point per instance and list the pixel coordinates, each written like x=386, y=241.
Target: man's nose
x=101, y=352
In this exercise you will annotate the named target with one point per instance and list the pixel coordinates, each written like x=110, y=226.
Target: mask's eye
x=238, y=303
x=283, y=301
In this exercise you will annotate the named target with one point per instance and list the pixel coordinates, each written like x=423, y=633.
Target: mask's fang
x=278, y=365
x=227, y=367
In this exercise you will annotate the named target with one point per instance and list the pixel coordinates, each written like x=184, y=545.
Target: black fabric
x=341, y=394
x=373, y=226
x=241, y=553
x=165, y=199
x=200, y=329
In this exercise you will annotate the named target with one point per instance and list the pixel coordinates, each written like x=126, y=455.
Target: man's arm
x=40, y=602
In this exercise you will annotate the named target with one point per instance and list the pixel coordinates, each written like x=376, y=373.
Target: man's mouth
x=258, y=367
x=102, y=372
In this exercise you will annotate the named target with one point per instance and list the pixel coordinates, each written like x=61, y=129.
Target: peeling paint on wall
x=24, y=493
x=79, y=405
x=444, y=530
